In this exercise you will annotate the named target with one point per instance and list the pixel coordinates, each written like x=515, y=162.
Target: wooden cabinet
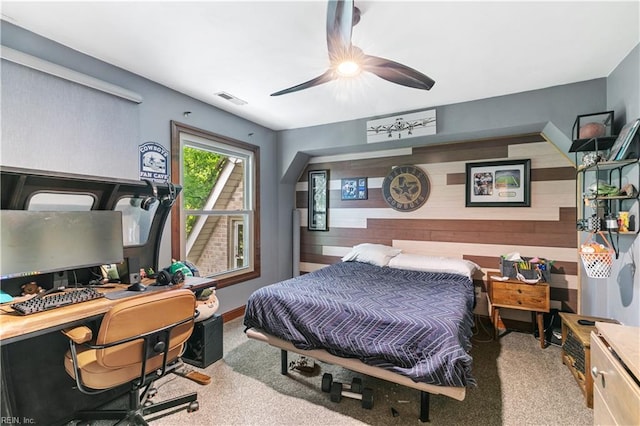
x=514, y=294
x=615, y=370
x=576, y=350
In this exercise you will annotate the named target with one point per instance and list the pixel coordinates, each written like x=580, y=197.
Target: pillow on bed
x=375, y=254
x=417, y=262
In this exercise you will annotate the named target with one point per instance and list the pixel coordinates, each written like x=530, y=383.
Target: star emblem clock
x=406, y=188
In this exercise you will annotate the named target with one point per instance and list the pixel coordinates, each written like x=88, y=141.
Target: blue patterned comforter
x=417, y=324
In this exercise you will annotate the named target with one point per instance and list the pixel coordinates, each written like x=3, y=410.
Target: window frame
x=178, y=214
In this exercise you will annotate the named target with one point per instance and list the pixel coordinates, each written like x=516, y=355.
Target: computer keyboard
x=56, y=300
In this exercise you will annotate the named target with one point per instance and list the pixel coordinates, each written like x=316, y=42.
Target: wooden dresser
x=615, y=368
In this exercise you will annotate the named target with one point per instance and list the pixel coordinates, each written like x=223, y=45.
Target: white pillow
x=375, y=254
x=417, y=262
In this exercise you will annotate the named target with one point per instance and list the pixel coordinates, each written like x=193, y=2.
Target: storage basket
x=508, y=269
x=528, y=274
x=598, y=265
x=574, y=349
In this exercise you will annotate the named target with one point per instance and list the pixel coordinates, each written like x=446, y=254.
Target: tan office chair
x=139, y=340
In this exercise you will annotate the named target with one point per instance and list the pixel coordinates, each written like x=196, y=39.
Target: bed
x=408, y=326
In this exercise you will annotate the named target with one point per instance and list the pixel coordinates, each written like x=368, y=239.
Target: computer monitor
x=38, y=242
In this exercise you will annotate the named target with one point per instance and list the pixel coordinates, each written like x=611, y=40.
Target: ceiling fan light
x=348, y=68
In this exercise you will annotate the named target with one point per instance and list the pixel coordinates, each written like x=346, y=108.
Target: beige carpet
x=518, y=384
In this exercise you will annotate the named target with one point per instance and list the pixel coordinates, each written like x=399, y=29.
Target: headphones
x=167, y=200
x=167, y=278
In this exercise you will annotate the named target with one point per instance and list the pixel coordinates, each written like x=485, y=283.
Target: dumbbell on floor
x=355, y=390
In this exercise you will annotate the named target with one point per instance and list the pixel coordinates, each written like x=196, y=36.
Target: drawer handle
x=519, y=291
x=595, y=373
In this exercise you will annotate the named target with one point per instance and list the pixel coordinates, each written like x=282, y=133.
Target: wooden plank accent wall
x=443, y=225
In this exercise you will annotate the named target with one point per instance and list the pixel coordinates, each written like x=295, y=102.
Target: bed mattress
x=417, y=324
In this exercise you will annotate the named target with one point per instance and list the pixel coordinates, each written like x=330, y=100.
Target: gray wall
x=120, y=159
x=623, y=89
x=622, y=291
x=551, y=111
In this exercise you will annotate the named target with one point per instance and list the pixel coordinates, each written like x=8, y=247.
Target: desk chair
x=139, y=341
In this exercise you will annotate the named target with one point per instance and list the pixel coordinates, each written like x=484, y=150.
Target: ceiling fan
x=348, y=60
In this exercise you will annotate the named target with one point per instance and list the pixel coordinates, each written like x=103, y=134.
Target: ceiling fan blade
x=339, y=26
x=327, y=76
x=397, y=73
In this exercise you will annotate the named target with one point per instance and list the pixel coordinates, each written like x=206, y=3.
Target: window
x=60, y=201
x=216, y=226
x=136, y=221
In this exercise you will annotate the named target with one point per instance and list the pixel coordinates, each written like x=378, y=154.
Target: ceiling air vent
x=227, y=97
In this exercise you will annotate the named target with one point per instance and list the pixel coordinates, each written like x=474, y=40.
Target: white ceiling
x=472, y=50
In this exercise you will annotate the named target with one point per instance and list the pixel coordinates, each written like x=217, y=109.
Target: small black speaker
x=204, y=347
x=60, y=279
x=133, y=268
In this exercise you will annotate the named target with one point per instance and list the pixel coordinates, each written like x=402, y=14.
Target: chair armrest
x=78, y=335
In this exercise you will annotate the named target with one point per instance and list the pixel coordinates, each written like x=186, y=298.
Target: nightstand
x=514, y=294
x=576, y=350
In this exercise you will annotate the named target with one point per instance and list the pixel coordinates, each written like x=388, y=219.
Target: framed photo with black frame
x=353, y=188
x=318, y=200
x=498, y=184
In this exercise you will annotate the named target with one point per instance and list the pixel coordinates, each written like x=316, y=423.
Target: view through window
x=217, y=224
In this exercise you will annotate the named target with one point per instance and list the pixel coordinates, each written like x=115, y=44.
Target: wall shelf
x=607, y=165
x=614, y=173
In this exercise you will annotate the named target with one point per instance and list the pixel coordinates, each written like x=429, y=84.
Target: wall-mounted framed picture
x=622, y=144
x=499, y=184
x=318, y=200
x=353, y=188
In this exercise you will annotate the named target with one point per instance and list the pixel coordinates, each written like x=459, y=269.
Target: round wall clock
x=406, y=188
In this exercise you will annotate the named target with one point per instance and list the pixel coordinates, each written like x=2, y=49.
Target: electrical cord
x=95, y=274
x=50, y=291
x=477, y=323
x=550, y=327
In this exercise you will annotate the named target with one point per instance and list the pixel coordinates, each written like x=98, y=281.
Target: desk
x=14, y=327
x=35, y=385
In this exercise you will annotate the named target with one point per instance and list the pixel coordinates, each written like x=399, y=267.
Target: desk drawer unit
x=524, y=296
x=616, y=394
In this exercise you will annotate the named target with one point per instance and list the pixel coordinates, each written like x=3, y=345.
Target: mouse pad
x=122, y=294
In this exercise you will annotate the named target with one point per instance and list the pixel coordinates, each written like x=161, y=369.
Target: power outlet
x=478, y=291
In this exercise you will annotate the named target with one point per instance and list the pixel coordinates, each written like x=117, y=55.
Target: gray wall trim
x=56, y=70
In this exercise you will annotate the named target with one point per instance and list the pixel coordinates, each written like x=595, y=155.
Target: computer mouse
x=137, y=287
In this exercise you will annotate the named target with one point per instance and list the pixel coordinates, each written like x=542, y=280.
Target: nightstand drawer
x=522, y=296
